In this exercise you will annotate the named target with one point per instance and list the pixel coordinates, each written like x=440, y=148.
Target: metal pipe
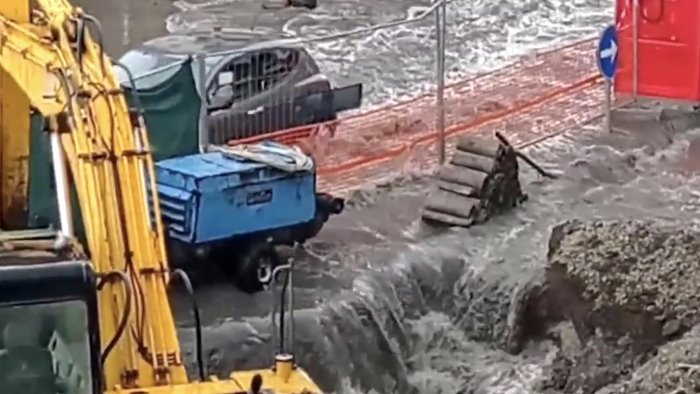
x=273, y=326
x=273, y=308
x=608, y=105
x=440, y=30
x=290, y=309
x=635, y=49
x=202, y=82
x=61, y=179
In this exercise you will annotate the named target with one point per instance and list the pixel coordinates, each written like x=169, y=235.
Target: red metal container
x=668, y=49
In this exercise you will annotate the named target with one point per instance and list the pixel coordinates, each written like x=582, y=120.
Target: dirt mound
x=674, y=369
x=635, y=277
x=627, y=286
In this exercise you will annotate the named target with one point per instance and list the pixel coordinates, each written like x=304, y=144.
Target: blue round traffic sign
x=608, y=52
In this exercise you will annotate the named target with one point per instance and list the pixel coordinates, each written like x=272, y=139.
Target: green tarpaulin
x=171, y=107
x=172, y=112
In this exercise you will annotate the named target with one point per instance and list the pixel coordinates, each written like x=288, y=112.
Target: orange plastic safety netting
x=534, y=96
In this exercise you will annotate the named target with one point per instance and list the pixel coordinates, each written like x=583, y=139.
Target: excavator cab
x=49, y=329
x=50, y=336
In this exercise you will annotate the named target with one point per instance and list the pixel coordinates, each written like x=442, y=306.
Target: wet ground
x=481, y=35
x=432, y=310
x=383, y=303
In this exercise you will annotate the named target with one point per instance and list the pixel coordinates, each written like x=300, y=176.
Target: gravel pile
x=675, y=369
x=645, y=269
x=628, y=287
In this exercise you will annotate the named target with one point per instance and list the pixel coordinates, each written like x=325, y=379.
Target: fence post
x=440, y=30
x=635, y=49
x=203, y=132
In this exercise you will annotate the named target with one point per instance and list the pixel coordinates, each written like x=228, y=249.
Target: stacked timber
x=479, y=182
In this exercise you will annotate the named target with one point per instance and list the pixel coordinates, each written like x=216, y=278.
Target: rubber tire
x=337, y=206
x=247, y=273
x=308, y=4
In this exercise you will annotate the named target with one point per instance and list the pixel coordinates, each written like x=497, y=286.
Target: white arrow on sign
x=609, y=52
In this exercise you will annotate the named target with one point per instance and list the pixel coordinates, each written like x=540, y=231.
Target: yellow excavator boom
x=66, y=76
x=107, y=157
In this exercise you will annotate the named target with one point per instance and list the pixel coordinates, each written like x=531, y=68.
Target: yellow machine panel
x=14, y=141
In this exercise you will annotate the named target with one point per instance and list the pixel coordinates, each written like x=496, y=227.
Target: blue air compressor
x=234, y=205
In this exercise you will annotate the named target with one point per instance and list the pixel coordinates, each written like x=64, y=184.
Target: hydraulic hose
x=178, y=273
x=100, y=38
x=121, y=328
x=132, y=86
x=79, y=42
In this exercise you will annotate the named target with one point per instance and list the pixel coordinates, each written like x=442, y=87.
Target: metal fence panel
x=279, y=89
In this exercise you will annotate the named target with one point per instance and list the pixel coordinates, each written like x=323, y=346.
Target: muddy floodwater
x=391, y=63
x=390, y=306
x=383, y=303
x=481, y=34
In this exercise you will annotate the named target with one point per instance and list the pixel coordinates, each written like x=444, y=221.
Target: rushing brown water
x=386, y=310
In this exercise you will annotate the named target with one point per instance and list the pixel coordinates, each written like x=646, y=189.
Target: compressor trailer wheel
x=255, y=266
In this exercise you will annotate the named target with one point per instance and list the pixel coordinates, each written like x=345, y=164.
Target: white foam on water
x=481, y=35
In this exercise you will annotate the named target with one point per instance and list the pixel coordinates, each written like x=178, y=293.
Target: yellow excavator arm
x=67, y=77
x=72, y=82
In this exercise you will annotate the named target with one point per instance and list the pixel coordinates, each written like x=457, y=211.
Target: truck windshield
x=45, y=349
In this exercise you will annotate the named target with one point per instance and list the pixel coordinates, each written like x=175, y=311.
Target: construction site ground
x=381, y=161
x=344, y=278
x=637, y=171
